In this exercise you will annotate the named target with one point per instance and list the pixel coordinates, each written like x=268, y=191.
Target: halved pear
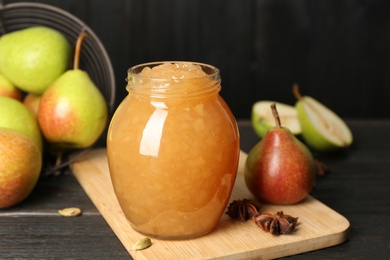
x=322, y=129
x=263, y=119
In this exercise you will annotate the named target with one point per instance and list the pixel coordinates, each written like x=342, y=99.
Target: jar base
x=174, y=237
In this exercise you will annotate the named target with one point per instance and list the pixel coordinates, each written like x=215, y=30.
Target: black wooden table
x=358, y=187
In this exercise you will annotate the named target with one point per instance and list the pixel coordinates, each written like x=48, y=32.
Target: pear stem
x=276, y=115
x=78, y=50
x=296, y=91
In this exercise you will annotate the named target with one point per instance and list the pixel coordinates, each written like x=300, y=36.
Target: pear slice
x=263, y=119
x=322, y=129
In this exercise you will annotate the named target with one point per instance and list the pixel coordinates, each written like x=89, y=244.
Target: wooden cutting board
x=318, y=225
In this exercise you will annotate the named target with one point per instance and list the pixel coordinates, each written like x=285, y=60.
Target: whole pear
x=72, y=111
x=7, y=89
x=14, y=115
x=279, y=169
x=34, y=57
x=20, y=167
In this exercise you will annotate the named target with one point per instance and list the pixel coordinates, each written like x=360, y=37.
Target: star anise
x=276, y=224
x=243, y=209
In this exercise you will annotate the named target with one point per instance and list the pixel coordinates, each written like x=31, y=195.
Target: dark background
x=337, y=50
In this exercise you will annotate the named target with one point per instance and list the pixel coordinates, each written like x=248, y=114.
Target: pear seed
x=70, y=212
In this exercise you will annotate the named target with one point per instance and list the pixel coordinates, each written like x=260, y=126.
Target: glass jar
x=173, y=149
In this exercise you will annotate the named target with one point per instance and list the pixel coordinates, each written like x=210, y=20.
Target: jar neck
x=173, y=85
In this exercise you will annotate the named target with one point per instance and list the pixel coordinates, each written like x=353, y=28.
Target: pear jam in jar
x=173, y=149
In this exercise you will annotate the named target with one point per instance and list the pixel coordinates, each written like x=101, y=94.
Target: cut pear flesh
x=322, y=129
x=263, y=119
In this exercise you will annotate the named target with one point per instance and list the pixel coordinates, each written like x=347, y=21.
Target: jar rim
x=163, y=87
x=210, y=70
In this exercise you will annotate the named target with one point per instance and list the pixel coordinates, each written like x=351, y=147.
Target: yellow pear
x=20, y=166
x=73, y=112
x=32, y=58
x=14, y=115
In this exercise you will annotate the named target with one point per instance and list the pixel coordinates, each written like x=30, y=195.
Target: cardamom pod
x=142, y=244
x=70, y=212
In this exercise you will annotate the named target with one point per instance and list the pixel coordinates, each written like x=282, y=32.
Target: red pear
x=279, y=169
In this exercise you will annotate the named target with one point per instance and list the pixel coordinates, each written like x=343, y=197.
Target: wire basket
x=93, y=59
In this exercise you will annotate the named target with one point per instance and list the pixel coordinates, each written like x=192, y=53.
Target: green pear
x=279, y=169
x=322, y=129
x=14, y=115
x=72, y=111
x=34, y=57
x=7, y=89
x=20, y=166
x=263, y=120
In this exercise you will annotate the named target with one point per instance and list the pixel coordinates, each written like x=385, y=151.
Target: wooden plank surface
x=319, y=226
